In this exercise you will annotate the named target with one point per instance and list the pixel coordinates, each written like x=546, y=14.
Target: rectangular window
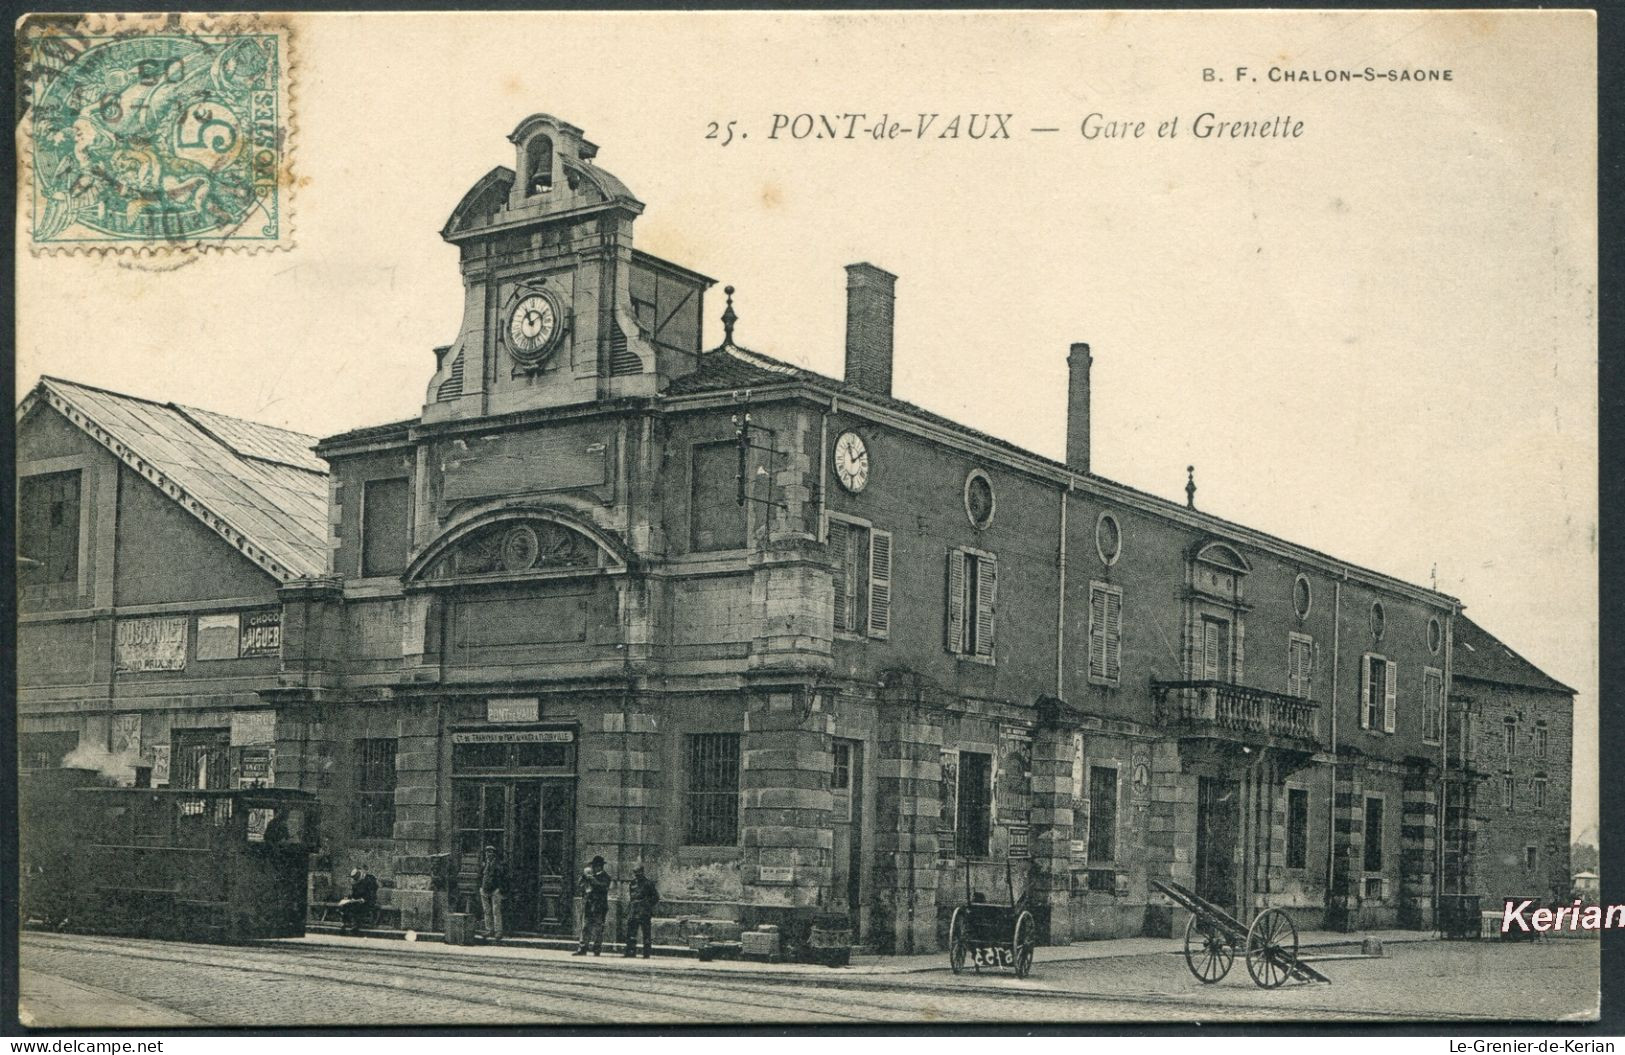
x=1507, y=791
x=374, y=789
x=1373, y=834
x=1215, y=649
x=1297, y=828
x=1432, y=704
x=716, y=519
x=974, y=809
x=863, y=558
x=841, y=776
x=1542, y=740
x=1531, y=857
x=1102, y=814
x=973, y=586
x=384, y=526
x=1377, y=692
x=1540, y=792
x=713, y=789
x=1105, y=633
x=48, y=529
x=1509, y=737
x=1300, y=665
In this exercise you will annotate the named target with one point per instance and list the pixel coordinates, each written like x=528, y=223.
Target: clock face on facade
x=533, y=328
x=852, y=462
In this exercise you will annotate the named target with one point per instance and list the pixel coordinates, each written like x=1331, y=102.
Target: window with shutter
x=1432, y=704
x=954, y=634
x=1105, y=632
x=1389, y=697
x=879, y=583
x=839, y=544
x=948, y=801
x=1300, y=665
x=987, y=593
x=1215, y=649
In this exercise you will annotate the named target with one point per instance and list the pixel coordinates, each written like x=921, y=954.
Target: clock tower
x=559, y=308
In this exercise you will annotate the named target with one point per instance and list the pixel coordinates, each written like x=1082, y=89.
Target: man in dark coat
x=357, y=909
x=595, y=884
x=640, y=912
x=493, y=877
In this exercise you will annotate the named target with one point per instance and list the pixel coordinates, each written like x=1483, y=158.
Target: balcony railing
x=1237, y=710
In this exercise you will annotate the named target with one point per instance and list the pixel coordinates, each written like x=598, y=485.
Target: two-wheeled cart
x=986, y=935
x=1213, y=937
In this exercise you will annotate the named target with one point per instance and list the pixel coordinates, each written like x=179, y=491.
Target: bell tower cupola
x=559, y=308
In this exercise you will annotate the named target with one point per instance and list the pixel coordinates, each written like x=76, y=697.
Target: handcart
x=985, y=935
x=1213, y=936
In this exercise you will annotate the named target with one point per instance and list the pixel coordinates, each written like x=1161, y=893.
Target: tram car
x=186, y=864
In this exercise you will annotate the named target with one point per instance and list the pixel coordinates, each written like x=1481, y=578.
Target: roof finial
x=728, y=317
x=1190, y=486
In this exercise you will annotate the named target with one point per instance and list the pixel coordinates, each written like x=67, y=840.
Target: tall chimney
x=871, y=299
x=1077, y=407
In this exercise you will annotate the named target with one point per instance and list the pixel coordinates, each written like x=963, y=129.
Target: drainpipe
x=1444, y=765
x=1060, y=607
x=823, y=471
x=1331, y=797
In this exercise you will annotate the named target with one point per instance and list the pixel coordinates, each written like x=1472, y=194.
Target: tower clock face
x=533, y=328
x=852, y=462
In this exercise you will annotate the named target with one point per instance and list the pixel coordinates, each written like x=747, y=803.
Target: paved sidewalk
x=1329, y=942
x=47, y=1001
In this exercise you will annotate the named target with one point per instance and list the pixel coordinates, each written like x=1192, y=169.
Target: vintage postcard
x=557, y=519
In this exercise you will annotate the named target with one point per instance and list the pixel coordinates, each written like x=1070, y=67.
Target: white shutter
x=987, y=597
x=838, y=546
x=1388, y=698
x=1114, y=634
x=1210, y=650
x=879, y=583
x=1365, y=691
x=1292, y=686
x=1097, y=631
x=954, y=633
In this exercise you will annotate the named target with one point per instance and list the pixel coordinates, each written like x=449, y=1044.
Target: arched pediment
x=1222, y=555
x=517, y=543
x=483, y=202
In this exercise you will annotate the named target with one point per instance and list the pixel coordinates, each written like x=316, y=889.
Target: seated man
x=357, y=909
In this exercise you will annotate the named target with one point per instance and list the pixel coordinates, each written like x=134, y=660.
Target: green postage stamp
x=156, y=134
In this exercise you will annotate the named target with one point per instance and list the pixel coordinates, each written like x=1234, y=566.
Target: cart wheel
x=1272, y=948
x=956, y=940
x=1022, y=943
x=1207, y=952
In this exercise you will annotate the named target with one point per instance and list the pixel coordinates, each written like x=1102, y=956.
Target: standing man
x=641, y=911
x=595, y=883
x=493, y=877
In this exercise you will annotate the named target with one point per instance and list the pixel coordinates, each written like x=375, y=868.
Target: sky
x=1376, y=338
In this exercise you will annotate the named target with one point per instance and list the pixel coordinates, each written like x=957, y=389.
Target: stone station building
x=789, y=642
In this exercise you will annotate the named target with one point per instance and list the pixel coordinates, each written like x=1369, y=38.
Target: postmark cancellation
x=157, y=135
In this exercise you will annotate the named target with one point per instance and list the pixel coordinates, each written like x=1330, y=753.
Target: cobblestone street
x=81, y=981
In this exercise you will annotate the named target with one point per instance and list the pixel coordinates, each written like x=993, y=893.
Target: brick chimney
x=1077, y=407
x=870, y=308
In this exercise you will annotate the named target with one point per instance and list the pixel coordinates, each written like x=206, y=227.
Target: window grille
x=713, y=789
x=1297, y=828
x=1102, y=814
x=374, y=789
x=974, y=813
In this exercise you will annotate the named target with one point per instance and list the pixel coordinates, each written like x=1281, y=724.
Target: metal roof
x=258, y=487
x=1481, y=656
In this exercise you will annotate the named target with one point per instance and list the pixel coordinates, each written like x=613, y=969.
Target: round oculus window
x=1303, y=596
x=1108, y=539
x=980, y=504
x=1435, y=635
x=520, y=548
x=1379, y=618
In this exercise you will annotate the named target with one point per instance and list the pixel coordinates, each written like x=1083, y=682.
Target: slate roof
x=257, y=486
x=1481, y=656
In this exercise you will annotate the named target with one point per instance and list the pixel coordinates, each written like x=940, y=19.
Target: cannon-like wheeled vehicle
x=987, y=935
x=1213, y=937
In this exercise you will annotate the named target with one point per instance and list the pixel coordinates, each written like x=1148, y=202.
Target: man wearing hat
x=358, y=907
x=595, y=883
x=493, y=877
x=640, y=912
